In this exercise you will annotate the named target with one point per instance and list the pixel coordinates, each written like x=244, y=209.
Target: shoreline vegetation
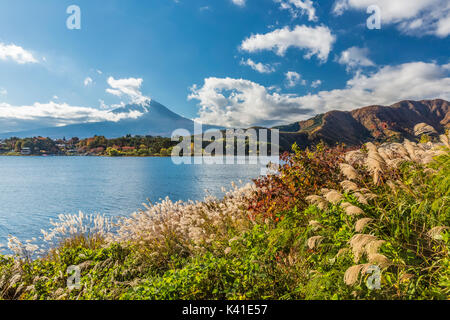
x=137, y=146
x=314, y=231
x=128, y=146
x=14, y=154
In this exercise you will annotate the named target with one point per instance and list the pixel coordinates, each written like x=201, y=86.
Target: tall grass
x=312, y=232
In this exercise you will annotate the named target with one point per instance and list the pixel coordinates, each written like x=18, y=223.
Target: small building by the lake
x=25, y=151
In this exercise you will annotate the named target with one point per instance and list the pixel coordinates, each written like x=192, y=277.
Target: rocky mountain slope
x=372, y=123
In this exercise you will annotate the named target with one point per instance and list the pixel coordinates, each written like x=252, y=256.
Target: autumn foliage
x=303, y=173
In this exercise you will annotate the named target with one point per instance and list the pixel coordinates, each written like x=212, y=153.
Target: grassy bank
x=313, y=232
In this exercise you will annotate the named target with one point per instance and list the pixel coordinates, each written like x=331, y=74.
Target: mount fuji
x=154, y=120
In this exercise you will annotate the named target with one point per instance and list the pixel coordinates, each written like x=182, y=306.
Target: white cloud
x=416, y=17
x=293, y=78
x=88, y=81
x=39, y=115
x=103, y=105
x=3, y=92
x=340, y=6
x=111, y=107
x=316, y=83
x=315, y=40
x=299, y=7
x=16, y=54
x=129, y=87
x=355, y=57
x=240, y=3
x=260, y=67
x=443, y=27
x=242, y=103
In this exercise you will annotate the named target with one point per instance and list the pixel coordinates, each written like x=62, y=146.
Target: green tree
x=164, y=152
x=18, y=146
x=113, y=152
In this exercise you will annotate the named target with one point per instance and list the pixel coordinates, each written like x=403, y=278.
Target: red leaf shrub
x=304, y=172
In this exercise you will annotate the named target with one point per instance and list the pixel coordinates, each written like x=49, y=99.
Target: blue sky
x=225, y=62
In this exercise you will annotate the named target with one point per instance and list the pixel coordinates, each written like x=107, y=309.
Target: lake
x=35, y=189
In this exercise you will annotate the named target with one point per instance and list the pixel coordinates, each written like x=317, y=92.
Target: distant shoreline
x=102, y=156
x=80, y=156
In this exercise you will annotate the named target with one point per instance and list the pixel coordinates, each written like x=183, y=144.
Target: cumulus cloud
x=355, y=57
x=16, y=53
x=340, y=6
x=240, y=103
x=130, y=88
x=260, y=67
x=299, y=7
x=88, y=81
x=52, y=114
x=243, y=103
x=314, y=40
x=443, y=27
x=316, y=83
x=240, y=3
x=293, y=78
x=416, y=17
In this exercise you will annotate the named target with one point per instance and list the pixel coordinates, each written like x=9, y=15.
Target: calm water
x=35, y=189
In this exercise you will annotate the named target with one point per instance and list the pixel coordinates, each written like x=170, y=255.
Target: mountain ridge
x=371, y=123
